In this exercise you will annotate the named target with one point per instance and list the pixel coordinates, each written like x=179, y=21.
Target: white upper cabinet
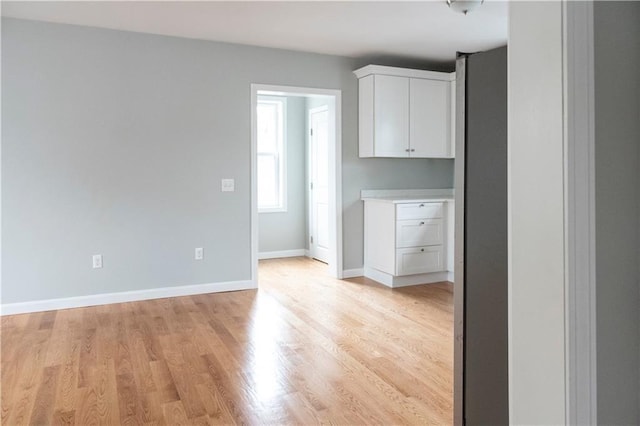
x=405, y=113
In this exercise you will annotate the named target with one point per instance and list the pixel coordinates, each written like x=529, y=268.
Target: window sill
x=274, y=210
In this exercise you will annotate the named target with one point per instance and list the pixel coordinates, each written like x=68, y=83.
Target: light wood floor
x=304, y=349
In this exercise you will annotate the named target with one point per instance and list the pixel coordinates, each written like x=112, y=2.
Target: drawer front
x=407, y=211
x=419, y=260
x=419, y=232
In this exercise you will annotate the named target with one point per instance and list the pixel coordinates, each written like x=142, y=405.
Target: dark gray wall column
x=486, y=356
x=617, y=159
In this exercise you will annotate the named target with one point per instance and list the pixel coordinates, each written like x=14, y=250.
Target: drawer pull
x=421, y=249
x=421, y=223
x=421, y=205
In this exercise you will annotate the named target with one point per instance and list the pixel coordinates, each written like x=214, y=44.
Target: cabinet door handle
x=412, y=150
x=421, y=223
x=407, y=150
x=421, y=205
x=421, y=249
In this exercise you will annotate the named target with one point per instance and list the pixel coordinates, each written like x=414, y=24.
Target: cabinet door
x=419, y=260
x=430, y=118
x=391, y=116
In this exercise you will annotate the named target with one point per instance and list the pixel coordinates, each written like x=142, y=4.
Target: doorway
x=321, y=178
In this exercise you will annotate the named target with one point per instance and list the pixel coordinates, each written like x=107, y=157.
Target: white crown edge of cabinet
x=404, y=72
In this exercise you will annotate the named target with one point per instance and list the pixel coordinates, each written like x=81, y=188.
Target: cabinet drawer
x=407, y=211
x=419, y=260
x=419, y=232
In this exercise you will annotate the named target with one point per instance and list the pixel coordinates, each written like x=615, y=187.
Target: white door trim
x=335, y=172
x=580, y=270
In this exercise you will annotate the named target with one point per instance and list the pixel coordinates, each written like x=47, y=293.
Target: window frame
x=281, y=155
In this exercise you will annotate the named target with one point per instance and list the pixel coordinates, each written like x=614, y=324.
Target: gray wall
x=287, y=230
x=485, y=268
x=115, y=143
x=617, y=126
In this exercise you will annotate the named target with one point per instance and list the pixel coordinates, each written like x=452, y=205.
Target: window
x=271, y=154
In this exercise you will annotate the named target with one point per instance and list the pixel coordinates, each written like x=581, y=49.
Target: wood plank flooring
x=304, y=349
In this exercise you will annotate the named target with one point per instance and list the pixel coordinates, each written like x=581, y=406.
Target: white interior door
x=319, y=185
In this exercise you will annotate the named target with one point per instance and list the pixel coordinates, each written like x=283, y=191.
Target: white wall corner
x=536, y=214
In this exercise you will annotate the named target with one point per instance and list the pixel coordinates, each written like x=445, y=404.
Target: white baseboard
x=125, y=296
x=282, y=253
x=352, y=273
x=406, y=280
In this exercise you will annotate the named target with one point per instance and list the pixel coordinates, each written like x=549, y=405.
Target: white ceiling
x=423, y=30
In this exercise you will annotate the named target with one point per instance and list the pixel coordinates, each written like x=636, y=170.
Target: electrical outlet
x=227, y=185
x=97, y=261
x=199, y=253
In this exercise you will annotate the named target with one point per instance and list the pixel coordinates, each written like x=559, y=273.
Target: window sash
x=269, y=179
x=271, y=183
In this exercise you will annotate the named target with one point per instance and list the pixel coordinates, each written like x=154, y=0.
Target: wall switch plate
x=97, y=261
x=228, y=185
x=199, y=253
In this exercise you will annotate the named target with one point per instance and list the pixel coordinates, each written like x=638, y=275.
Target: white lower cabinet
x=404, y=239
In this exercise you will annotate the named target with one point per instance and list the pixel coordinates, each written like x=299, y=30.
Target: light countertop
x=397, y=196
x=399, y=200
